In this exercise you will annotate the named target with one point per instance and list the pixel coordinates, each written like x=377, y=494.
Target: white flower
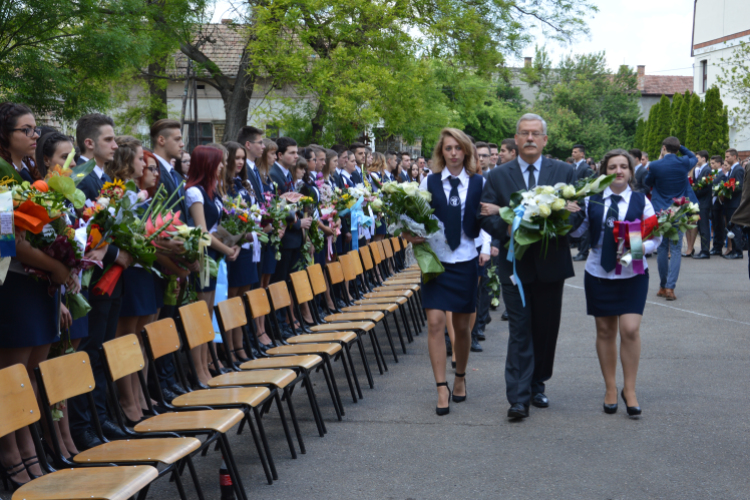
x=104, y=202
x=558, y=204
x=390, y=187
x=694, y=207
x=545, y=190
x=568, y=191
x=142, y=195
x=426, y=195
x=531, y=210
x=730, y=235
x=545, y=198
x=544, y=210
x=410, y=188
x=559, y=186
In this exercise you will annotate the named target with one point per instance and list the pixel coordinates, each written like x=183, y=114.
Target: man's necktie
x=609, y=245
x=532, y=179
x=177, y=181
x=453, y=215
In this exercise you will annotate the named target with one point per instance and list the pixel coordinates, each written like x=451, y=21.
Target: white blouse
x=193, y=195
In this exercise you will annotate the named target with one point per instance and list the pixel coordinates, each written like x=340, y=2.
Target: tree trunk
x=317, y=124
x=157, y=91
x=237, y=103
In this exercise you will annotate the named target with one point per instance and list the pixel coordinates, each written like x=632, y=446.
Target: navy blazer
x=293, y=236
x=738, y=174
x=254, y=181
x=668, y=178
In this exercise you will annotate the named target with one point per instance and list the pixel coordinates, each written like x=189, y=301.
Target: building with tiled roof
x=652, y=87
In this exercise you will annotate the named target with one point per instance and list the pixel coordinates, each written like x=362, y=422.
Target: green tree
x=680, y=111
x=694, y=124
x=714, y=138
x=662, y=127
x=735, y=79
x=640, y=132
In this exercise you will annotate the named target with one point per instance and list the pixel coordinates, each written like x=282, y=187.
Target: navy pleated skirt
x=160, y=285
x=243, y=271
x=268, y=259
x=455, y=290
x=138, y=293
x=605, y=297
x=380, y=229
x=28, y=315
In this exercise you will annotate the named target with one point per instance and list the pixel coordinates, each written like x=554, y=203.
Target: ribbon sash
x=511, y=257
x=631, y=231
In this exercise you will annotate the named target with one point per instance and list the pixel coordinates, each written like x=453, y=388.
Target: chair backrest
x=232, y=312
x=18, y=407
x=124, y=356
x=357, y=263
x=317, y=280
x=381, y=249
x=302, y=290
x=387, y=249
x=279, y=295
x=67, y=376
x=396, y=244
x=335, y=271
x=197, y=324
x=376, y=253
x=347, y=266
x=258, y=301
x=366, y=258
x=162, y=337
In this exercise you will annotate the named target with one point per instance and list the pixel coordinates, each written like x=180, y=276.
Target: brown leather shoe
x=669, y=294
x=662, y=292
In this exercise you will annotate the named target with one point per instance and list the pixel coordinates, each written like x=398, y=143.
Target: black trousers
x=739, y=241
x=584, y=243
x=532, y=337
x=717, y=218
x=103, y=317
x=704, y=227
x=289, y=257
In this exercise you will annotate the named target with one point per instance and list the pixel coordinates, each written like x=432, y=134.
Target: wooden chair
x=160, y=339
x=195, y=324
x=123, y=357
x=19, y=409
x=68, y=376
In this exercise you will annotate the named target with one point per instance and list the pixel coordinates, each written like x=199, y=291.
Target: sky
x=656, y=33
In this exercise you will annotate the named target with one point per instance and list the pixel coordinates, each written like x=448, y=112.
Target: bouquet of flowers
x=703, y=182
x=409, y=209
x=278, y=212
x=237, y=221
x=726, y=189
x=539, y=214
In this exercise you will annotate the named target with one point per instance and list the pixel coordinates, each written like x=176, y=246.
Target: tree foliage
x=735, y=80
x=714, y=137
x=694, y=124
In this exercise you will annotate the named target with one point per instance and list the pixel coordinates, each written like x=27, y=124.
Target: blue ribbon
x=357, y=214
x=511, y=257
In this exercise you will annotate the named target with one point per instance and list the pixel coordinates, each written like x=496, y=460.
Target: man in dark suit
x=737, y=173
x=583, y=171
x=704, y=195
x=403, y=175
x=641, y=169
x=166, y=140
x=252, y=139
x=533, y=329
x=668, y=179
x=95, y=136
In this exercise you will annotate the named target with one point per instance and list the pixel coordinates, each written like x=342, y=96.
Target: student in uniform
x=456, y=192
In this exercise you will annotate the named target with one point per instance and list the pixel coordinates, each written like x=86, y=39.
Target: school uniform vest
x=210, y=210
x=596, y=213
x=470, y=223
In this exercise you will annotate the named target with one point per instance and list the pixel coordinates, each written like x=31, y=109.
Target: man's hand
x=305, y=223
x=489, y=209
x=124, y=259
x=97, y=254
x=483, y=259
x=572, y=207
x=494, y=251
x=176, y=247
x=348, y=237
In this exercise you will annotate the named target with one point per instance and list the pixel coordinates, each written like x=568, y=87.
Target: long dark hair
x=10, y=112
x=46, y=146
x=204, y=168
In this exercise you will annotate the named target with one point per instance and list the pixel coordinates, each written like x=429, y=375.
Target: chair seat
x=164, y=450
x=306, y=362
x=405, y=285
x=278, y=378
x=250, y=396
x=335, y=327
x=106, y=483
x=382, y=300
x=355, y=316
x=308, y=338
x=216, y=420
x=327, y=348
x=371, y=307
x=390, y=293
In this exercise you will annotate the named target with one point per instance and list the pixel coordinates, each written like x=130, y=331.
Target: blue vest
x=210, y=210
x=439, y=202
x=596, y=213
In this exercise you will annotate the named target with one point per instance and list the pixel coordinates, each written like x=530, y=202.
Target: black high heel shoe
x=132, y=423
x=8, y=475
x=240, y=359
x=633, y=411
x=444, y=411
x=460, y=399
x=610, y=409
x=34, y=461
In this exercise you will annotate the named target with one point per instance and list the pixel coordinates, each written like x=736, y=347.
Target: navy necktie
x=453, y=215
x=532, y=179
x=609, y=245
x=177, y=181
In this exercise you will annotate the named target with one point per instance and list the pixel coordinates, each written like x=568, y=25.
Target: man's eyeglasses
x=526, y=134
x=29, y=131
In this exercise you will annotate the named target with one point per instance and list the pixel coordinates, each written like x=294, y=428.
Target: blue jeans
x=669, y=269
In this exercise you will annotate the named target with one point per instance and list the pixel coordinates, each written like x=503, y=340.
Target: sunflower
x=117, y=183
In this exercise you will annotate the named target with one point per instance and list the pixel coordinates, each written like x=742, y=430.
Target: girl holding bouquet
x=456, y=192
x=375, y=170
x=616, y=296
x=205, y=207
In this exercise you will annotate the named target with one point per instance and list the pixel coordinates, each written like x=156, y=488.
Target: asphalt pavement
x=690, y=443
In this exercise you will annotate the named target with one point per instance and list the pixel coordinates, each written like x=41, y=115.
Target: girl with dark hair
x=205, y=207
x=52, y=149
x=375, y=171
x=616, y=300
x=29, y=320
x=242, y=274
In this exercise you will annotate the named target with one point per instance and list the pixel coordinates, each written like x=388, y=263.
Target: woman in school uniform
x=456, y=192
x=616, y=300
x=205, y=207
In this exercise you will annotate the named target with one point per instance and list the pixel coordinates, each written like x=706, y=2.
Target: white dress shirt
x=525, y=170
x=98, y=171
x=594, y=262
x=164, y=163
x=467, y=249
x=698, y=170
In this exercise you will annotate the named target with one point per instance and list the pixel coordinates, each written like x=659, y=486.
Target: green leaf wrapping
x=428, y=261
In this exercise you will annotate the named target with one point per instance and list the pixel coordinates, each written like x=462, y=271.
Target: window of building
x=205, y=134
x=704, y=76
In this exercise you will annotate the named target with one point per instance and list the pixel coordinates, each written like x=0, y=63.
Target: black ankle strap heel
x=460, y=399
x=444, y=411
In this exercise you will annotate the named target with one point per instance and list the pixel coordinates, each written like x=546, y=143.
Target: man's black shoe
x=733, y=255
x=715, y=251
x=480, y=335
x=448, y=346
x=518, y=410
x=87, y=440
x=177, y=389
x=475, y=346
x=169, y=395
x=702, y=255
x=504, y=317
x=580, y=257
x=340, y=304
x=540, y=400
x=112, y=432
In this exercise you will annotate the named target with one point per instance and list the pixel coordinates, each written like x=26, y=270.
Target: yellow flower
x=544, y=210
x=117, y=183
